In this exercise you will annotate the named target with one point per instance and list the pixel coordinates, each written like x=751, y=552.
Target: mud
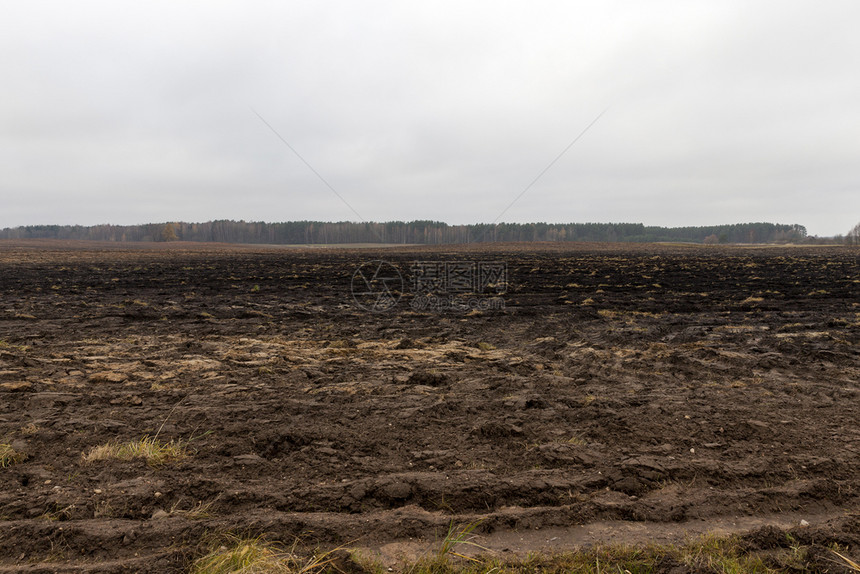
x=652, y=390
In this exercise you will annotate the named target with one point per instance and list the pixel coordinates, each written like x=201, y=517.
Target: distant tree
x=711, y=240
x=168, y=233
x=853, y=237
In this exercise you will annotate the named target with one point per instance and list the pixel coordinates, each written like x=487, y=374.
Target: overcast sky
x=716, y=112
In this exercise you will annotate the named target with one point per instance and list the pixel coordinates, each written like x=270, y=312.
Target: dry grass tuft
x=848, y=562
x=154, y=451
x=246, y=555
x=9, y=456
x=256, y=556
x=199, y=511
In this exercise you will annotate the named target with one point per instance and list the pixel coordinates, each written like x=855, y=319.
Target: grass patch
x=257, y=556
x=198, y=511
x=458, y=536
x=154, y=451
x=707, y=554
x=7, y=345
x=9, y=456
x=243, y=555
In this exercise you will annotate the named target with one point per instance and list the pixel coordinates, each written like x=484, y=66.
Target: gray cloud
x=719, y=112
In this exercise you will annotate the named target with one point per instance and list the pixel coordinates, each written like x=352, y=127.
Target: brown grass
x=154, y=451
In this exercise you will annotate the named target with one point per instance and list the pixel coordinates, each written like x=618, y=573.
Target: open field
x=153, y=399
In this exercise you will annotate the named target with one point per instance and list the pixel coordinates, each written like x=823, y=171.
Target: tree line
x=853, y=236
x=412, y=232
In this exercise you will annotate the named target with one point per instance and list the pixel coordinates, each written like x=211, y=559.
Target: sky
x=686, y=113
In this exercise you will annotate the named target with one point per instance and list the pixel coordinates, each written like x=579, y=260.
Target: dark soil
x=652, y=384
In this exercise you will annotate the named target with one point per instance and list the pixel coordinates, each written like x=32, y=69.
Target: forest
x=412, y=232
